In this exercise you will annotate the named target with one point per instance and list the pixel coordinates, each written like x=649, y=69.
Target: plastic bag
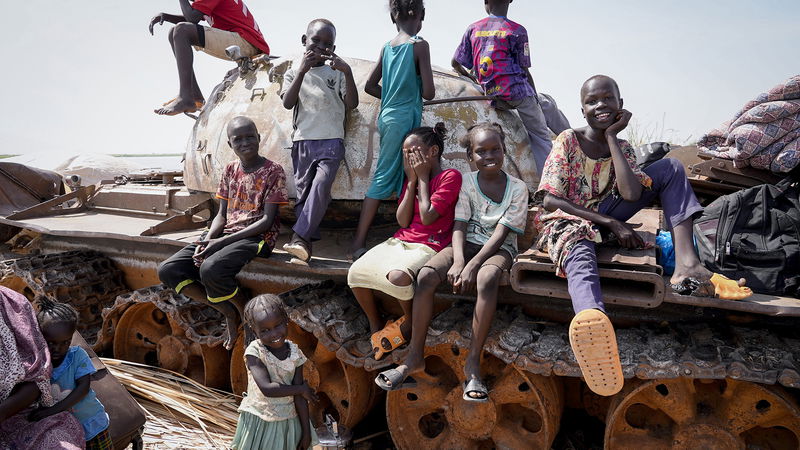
x=666, y=257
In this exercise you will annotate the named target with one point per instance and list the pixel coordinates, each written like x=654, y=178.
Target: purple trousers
x=679, y=203
x=315, y=165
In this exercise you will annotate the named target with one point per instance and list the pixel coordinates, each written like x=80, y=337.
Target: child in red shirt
x=231, y=23
x=426, y=214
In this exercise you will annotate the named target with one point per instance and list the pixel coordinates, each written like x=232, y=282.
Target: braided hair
x=51, y=311
x=466, y=140
x=405, y=9
x=266, y=304
x=431, y=136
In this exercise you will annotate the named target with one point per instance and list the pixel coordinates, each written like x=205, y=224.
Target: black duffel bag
x=755, y=234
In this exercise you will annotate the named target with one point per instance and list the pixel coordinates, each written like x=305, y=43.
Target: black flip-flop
x=694, y=287
x=393, y=380
x=475, y=386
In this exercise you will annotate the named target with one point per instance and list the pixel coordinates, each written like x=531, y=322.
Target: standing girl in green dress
x=404, y=66
x=274, y=413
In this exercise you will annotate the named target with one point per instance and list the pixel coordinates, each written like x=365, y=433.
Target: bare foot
x=472, y=369
x=177, y=106
x=412, y=367
x=698, y=272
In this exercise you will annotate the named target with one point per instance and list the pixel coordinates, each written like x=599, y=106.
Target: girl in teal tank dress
x=404, y=66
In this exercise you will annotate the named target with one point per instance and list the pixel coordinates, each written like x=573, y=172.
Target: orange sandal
x=594, y=344
x=388, y=339
x=728, y=289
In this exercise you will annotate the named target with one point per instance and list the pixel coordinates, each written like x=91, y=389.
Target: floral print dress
x=573, y=176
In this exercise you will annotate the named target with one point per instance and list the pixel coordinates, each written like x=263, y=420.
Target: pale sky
x=85, y=75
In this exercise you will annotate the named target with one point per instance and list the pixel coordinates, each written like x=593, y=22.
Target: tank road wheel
x=238, y=367
x=145, y=334
x=683, y=413
x=523, y=410
x=346, y=392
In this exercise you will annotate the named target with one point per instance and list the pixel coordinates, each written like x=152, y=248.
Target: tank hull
x=256, y=96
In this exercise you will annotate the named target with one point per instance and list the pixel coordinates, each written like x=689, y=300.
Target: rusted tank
x=700, y=372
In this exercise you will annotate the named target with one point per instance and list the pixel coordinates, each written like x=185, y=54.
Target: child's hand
x=411, y=175
x=305, y=442
x=622, y=120
x=469, y=278
x=309, y=395
x=157, y=19
x=626, y=235
x=207, y=248
x=39, y=414
x=336, y=63
x=421, y=163
x=454, y=276
x=310, y=59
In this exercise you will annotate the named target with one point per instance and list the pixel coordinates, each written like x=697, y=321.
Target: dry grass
x=181, y=413
x=641, y=134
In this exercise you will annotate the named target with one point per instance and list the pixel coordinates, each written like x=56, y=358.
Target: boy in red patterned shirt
x=245, y=226
x=231, y=23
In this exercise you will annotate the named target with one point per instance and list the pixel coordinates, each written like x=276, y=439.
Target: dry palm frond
x=181, y=413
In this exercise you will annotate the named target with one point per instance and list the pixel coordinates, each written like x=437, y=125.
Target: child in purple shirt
x=496, y=50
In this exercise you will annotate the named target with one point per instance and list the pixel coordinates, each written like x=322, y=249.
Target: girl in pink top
x=426, y=221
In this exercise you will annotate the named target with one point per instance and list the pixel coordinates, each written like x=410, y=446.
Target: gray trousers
x=539, y=114
x=315, y=164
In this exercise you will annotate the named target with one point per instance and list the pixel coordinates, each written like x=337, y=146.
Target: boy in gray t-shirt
x=319, y=91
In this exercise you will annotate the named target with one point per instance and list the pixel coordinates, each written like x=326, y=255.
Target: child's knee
x=399, y=278
x=168, y=271
x=489, y=279
x=209, y=273
x=183, y=30
x=427, y=279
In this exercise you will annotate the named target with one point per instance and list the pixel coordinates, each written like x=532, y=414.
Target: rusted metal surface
x=687, y=414
x=256, y=96
x=155, y=326
x=182, y=222
x=22, y=187
x=58, y=206
x=763, y=353
x=85, y=279
x=629, y=276
x=345, y=392
x=619, y=286
x=724, y=170
x=523, y=410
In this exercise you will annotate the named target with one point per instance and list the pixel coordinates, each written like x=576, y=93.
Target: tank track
x=87, y=280
x=765, y=355
x=202, y=323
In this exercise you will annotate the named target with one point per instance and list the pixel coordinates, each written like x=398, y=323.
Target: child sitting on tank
x=231, y=23
x=425, y=215
x=591, y=182
x=320, y=90
x=496, y=49
x=491, y=212
x=245, y=226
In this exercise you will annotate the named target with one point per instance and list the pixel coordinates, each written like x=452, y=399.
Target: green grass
x=137, y=155
x=6, y=156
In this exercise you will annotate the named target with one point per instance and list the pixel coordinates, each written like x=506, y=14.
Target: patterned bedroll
x=764, y=134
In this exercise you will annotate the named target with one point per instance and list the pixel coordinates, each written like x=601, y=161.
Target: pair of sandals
x=475, y=390
x=718, y=286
